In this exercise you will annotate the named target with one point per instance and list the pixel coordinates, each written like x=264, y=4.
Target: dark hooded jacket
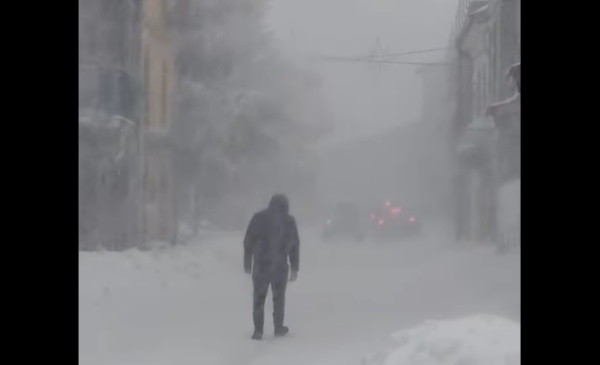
x=271, y=239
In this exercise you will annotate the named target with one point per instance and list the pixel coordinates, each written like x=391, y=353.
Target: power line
x=407, y=53
x=375, y=60
x=380, y=58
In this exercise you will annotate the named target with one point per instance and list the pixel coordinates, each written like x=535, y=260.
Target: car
x=389, y=221
x=344, y=222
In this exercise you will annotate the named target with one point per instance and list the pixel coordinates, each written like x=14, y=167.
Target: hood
x=279, y=203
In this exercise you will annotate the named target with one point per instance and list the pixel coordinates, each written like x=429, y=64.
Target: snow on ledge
x=477, y=340
x=511, y=105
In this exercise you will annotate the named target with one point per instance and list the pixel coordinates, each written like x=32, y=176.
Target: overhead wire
x=385, y=58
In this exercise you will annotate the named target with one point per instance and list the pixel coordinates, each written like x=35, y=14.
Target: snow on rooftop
x=476, y=340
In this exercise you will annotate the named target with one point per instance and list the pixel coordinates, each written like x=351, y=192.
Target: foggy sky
x=364, y=100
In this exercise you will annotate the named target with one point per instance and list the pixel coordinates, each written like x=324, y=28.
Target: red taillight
x=373, y=216
x=396, y=210
x=388, y=204
x=381, y=222
x=412, y=219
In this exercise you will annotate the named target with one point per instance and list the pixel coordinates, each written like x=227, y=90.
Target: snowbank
x=478, y=340
x=103, y=274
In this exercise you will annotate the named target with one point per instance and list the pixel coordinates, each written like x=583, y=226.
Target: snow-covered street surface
x=192, y=304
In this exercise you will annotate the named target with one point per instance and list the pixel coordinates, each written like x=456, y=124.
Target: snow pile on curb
x=119, y=272
x=478, y=340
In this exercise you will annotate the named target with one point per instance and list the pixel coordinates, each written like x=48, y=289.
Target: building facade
x=109, y=159
x=486, y=41
x=127, y=82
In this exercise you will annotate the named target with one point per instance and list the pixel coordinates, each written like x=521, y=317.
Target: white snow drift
x=477, y=340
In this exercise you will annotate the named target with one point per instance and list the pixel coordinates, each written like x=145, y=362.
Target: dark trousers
x=278, y=285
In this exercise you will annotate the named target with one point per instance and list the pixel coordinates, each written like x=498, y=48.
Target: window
x=150, y=182
x=146, y=83
x=88, y=88
x=92, y=37
x=510, y=151
x=106, y=91
x=498, y=73
x=519, y=23
x=164, y=95
x=492, y=65
x=126, y=94
x=486, y=86
x=478, y=93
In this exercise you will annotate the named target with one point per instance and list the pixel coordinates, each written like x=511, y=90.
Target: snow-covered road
x=192, y=304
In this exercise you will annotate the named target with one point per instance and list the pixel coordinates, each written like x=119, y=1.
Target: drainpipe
x=133, y=44
x=463, y=118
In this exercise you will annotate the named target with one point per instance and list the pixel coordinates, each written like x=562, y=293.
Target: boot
x=281, y=331
x=258, y=325
x=258, y=335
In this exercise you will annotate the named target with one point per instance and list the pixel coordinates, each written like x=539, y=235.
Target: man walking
x=271, y=239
